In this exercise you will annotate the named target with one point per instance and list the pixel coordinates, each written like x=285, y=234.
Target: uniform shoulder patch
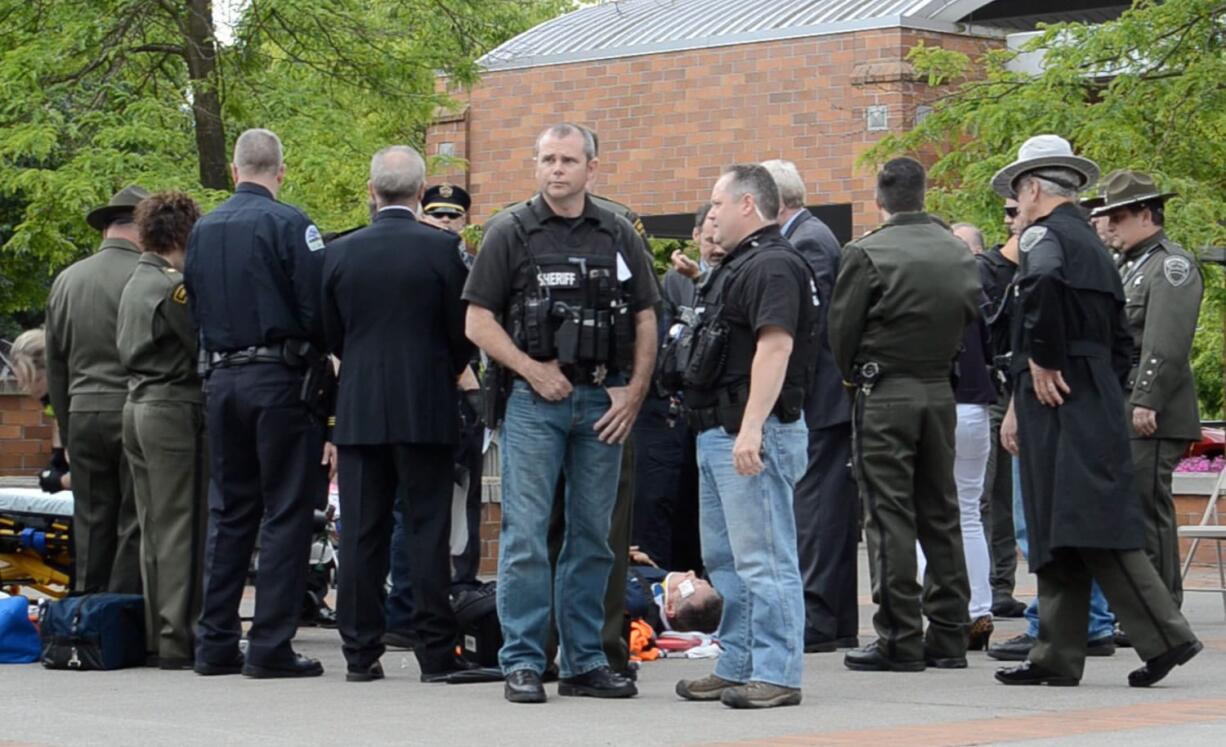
x=1177, y=270
x=314, y=240
x=1031, y=236
x=179, y=294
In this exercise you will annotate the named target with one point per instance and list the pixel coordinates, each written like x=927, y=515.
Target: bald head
x=257, y=153
x=397, y=176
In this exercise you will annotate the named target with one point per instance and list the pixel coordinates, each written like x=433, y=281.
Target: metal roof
x=625, y=28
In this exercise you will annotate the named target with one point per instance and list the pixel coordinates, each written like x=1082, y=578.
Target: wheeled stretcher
x=36, y=540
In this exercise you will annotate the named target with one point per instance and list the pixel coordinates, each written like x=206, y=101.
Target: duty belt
x=247, y=356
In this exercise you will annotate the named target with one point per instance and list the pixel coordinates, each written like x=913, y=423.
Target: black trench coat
x=1076, y=466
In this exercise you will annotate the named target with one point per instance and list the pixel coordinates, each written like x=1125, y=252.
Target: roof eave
x=767, y=35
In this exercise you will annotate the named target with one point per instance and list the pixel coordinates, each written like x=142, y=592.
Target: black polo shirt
x=503, y=270
x=771, y=287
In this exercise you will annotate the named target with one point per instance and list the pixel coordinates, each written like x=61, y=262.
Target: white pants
x=972, y=444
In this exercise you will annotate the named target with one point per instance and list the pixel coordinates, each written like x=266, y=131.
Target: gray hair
x=1055, y=182
x=397, y=173
x=787, y=178
x=28, y=357
x=754, y=180
x=258, y=151
x=975, y=233
x=567, y=129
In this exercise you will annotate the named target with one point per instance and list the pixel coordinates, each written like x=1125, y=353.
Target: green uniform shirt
x=84, y=373
x=904, y=295
x=1162, y=291
x=155, y=337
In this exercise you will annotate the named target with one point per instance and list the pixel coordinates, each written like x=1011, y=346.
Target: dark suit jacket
x=826, y=402
x=393, y=315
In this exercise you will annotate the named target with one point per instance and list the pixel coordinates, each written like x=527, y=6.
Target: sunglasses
x=1011, y=212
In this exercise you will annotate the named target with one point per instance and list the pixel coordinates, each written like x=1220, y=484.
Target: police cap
x=446, y=199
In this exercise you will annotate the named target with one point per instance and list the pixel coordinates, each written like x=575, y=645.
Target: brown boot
x=707, y=688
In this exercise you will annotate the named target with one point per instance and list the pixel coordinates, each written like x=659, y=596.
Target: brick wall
x=25, y=435
x=669, y=122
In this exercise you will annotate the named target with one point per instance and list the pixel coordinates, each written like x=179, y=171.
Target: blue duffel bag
x=94, y=631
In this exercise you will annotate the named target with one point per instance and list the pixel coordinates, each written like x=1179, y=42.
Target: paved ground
x=149, y=707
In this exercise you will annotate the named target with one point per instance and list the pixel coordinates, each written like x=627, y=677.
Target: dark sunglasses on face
x=1011, y=212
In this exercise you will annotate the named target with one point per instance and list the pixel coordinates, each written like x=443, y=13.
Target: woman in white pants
x=972, y=440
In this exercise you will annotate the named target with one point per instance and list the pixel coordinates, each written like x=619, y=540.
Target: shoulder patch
x=179, y=295
x=1031, y=236
x=314, y=240
x=1177, y=270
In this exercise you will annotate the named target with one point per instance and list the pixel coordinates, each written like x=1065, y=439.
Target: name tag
x=557, y=279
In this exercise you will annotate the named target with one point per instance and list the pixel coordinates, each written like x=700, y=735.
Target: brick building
x=678, y=89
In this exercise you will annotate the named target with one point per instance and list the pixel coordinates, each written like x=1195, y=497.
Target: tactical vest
x=699, y=354
x=574, y=308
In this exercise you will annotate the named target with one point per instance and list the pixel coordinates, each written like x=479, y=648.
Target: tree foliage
x=97, y=94
x=1146, y=91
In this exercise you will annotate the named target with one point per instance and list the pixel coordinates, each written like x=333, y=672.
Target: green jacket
x=1162, y=292
x=83, y=369
x=154, y=335
x=904, y=295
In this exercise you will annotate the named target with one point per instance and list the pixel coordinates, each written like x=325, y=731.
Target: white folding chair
x=1210, y=529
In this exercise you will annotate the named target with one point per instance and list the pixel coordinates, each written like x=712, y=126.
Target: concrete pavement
x=150, y=707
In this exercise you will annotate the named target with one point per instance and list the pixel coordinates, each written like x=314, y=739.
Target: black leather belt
x=247, y=356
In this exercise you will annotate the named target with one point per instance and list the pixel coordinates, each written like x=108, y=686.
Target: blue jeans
x=398, y=608
x=749, y=549
x=1102, y=621
x=540, y=439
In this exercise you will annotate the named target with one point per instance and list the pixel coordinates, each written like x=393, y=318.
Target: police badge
x=445, y=191
x=1177, y=270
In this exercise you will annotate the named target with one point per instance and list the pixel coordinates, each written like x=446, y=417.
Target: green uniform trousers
x=1153, y=461
x=904, y=449
x=105, y=533
x=166, y=448
x=615, y=634
x=1133, y=590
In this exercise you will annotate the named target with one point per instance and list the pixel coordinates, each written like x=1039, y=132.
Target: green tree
x=96, y=94
x=1145, y=91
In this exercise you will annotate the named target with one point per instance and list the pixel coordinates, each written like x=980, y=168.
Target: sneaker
x=710, y=687
x=760, y=695
x=1016, y=648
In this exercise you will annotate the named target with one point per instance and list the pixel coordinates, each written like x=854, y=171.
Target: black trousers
x=827, y=528
x=1133, y=589
x=105, y=532
x=665, y=489
x=371, y=478
x=264, y=448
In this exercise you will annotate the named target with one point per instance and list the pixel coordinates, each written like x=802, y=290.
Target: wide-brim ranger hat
x=1123, y=188
x=1042, y=152
x=123, y=201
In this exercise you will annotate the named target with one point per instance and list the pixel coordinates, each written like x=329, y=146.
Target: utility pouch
x=538, y=329
x=603, y=324
x=319, y=388
x=791, y=404
x=566, y=340
x=587, y=335
x=709, y=355
x=623, y=336
x=495, y=389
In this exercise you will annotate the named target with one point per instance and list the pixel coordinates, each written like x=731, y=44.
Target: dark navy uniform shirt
x=253, y=273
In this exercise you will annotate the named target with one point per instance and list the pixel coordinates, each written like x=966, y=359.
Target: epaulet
x=872, y=231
